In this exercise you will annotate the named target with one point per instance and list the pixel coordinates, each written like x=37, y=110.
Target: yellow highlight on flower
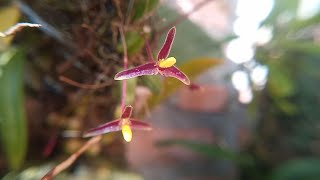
x=126, y=133
x=165, y=63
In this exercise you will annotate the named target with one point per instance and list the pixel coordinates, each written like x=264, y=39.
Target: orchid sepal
x=175, y=72
x=166, y=48
x=145, y=69
x=108, y=127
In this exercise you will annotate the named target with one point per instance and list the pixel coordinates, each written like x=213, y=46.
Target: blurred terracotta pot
x=207, y=98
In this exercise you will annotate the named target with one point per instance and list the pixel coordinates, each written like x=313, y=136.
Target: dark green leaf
x=301, y=169
x=142, y=7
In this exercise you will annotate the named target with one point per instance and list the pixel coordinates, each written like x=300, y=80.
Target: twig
x=84, y=86
x=125, y=66
x=184, y=16
x=129, y=10
x=16, y=28
x=65, y=164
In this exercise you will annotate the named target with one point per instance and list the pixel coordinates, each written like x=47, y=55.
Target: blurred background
x=251, y=112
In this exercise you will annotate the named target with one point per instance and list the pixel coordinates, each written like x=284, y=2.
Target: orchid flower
x=163, y=66
x=125, y=124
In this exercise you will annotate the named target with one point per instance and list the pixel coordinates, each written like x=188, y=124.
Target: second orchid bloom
x=163, y=66
x=125, y=124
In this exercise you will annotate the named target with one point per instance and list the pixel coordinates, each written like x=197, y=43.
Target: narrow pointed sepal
x=139, y=125
x=166, y=48
x=104, y=128
x=173, y=71
x=145, y=69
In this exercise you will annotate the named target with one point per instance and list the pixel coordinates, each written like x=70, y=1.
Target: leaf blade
x=12, y=113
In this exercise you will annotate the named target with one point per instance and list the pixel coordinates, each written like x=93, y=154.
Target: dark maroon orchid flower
x=125, y=123
x=163, y=66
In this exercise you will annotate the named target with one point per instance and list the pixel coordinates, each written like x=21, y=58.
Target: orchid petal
x=165, y=50
x=145, y=69
x=112, y=126
x=127, y=112
x=139, y=125
x=173, y=71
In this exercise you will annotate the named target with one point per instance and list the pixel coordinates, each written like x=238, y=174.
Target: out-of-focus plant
x=13, y=125
x=287, y=109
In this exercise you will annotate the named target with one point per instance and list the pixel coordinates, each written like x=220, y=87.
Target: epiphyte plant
x=163, y=66
x=125, y=124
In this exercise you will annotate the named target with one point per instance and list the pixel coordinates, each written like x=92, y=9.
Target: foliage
x=287, y=109
x=13, y=125
x=307, y=168
x=143, y=8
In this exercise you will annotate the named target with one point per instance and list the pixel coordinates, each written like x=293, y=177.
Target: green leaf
x=299, y=169
x=13, y=126
x=9, y=16
x=192, y=69
x=280, y=83
x=210, y=150
x=135, y=43
x=143, y=7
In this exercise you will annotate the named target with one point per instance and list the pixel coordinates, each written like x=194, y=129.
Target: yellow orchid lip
x=166, y=63
x=127, y=132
